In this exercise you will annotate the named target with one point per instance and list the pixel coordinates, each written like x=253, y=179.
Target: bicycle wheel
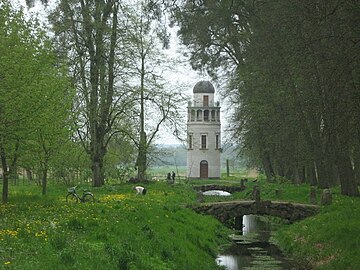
x=88, y=198
x=71, y=198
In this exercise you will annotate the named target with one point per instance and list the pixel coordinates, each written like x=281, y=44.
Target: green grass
x=120, y=231
x=156, y=231
x=330, y=240
x=288, y=192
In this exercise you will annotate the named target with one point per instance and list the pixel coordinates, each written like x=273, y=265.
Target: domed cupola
x=203, y=87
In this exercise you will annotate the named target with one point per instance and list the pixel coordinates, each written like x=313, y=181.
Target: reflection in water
x=254, y=225
x=252, y=250
x=216, y=193
x=249, y=224
x=229, y=261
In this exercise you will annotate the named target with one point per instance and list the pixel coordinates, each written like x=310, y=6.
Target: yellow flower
x=114, y=197
x=9, y=232
x=6, y=263
x=41, y=234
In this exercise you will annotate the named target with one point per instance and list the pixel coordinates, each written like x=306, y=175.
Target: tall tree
x=27, y=69
x=159, y=101
x=53, y=128
x=111, y=50
x=88, y=33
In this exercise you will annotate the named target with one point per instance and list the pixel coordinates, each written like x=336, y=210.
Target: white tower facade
x=203, y=133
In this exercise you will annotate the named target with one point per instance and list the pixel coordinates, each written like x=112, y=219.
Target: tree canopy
x=293, y=81
x=113, y=50
x=35, y=95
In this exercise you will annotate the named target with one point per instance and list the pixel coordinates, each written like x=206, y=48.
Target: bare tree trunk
x=101, y=81
x=269, y=171
x=356, y=162
x=13, y=173
x=311, y=174
x=142, y=154
x=44, y=181
x=5, y=191
x=97, y=171
x=142, y=157
x=45, y=168
x=346, y=172
x=347, y=177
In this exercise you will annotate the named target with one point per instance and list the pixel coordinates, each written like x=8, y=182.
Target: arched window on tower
x=192, y=116
x=199, y=115
x=217, y=141
x=203, y=142
x=206, y=115
x=212, y=115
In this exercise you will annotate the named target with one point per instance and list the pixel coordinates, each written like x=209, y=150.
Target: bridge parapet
x=230, y=189
x=231, y=209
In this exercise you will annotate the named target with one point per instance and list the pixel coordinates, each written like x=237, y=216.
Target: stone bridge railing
x=227, y=188
x=230, y=189
x=224, y=211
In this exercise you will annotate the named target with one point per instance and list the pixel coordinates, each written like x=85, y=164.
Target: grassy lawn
x=120, y=231
x=330, y=240
x=156, y=231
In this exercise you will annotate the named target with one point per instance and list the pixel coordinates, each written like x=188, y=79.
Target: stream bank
x=252, y=249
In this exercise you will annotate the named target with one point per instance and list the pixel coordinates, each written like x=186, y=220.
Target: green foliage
x=329, y=240
x=291, y=83
x=121, y=231
x=35, y=96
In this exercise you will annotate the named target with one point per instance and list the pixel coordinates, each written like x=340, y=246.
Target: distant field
x=160, y=172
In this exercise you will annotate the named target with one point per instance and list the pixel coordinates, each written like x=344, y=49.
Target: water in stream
x=251, y=248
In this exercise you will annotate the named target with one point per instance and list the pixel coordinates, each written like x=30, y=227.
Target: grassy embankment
x=124, y=231
x=119, y=231
x=329, y=240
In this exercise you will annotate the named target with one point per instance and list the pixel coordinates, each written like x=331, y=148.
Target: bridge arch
x=225, y=211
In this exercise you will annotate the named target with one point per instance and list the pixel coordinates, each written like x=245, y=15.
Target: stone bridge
x=225, y=211
x=230, y=189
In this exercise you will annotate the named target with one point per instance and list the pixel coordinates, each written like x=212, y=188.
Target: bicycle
x=74, y=197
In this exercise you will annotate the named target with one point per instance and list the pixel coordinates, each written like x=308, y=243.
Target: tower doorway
x=204, y=169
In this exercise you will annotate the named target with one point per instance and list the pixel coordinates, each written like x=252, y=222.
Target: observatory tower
x=203, y=133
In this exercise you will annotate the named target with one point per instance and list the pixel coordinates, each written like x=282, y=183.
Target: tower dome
x=203, y=87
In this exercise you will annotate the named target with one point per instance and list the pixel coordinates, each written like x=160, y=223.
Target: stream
x=251, y=248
